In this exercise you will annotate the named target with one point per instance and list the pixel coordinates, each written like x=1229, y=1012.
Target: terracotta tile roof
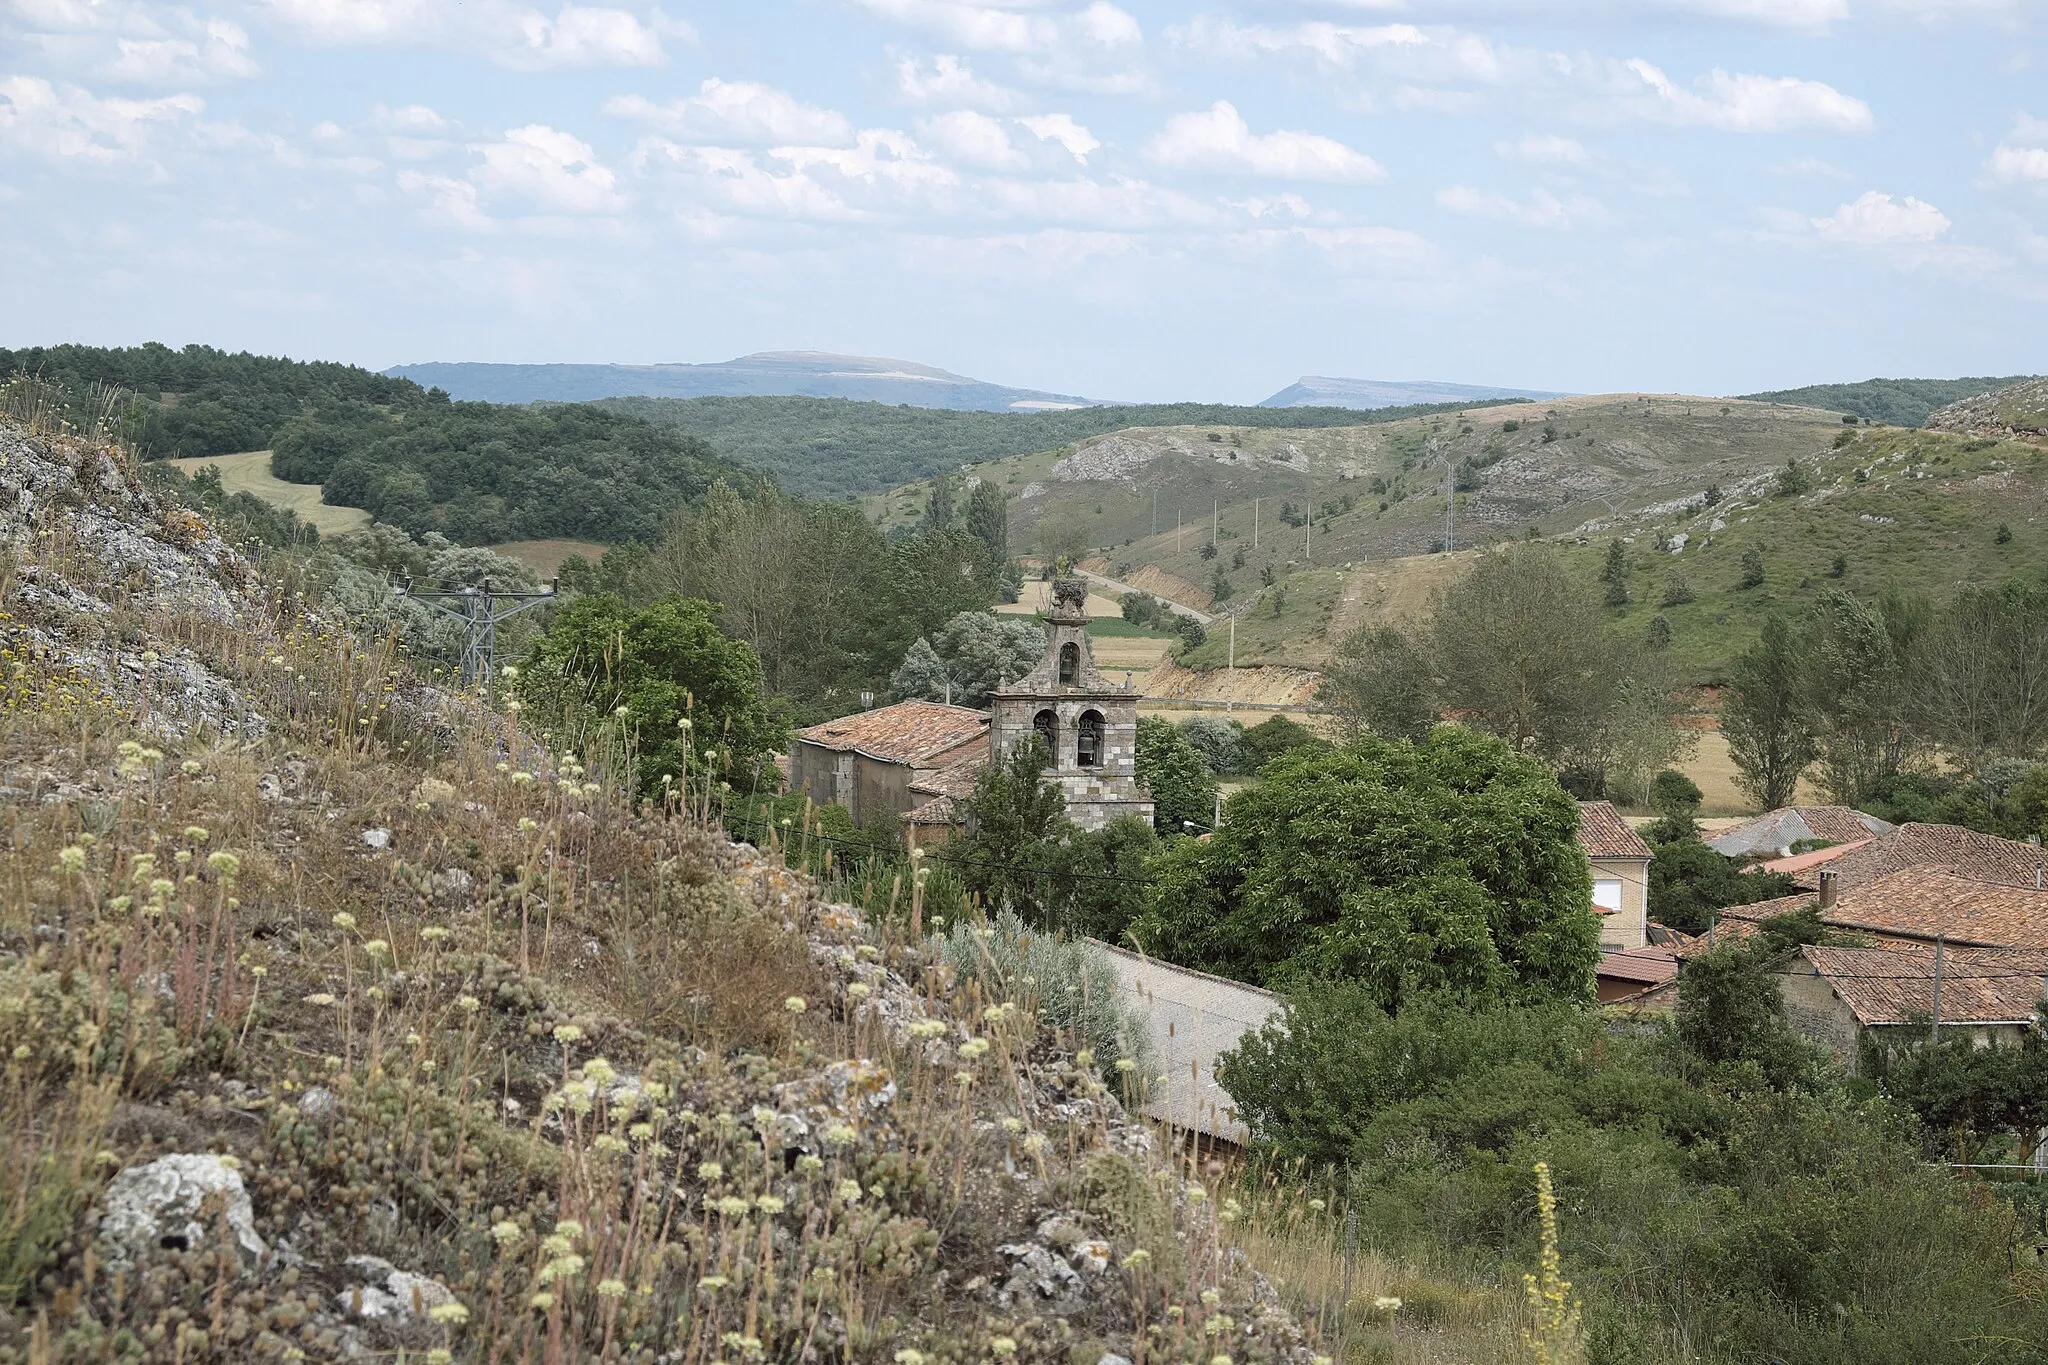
x=902, y=733
x=1896, y=985
x=1800, y=862
x=956, y=780
x=1604, y=834
x=1944, y=848
x=940, y=810
x=1918, y=903
x=1775, y=831
x=1645, y=966
x=1739, y=922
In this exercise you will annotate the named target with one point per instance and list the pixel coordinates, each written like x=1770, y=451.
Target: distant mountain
x=1321, y=391
x=806, y=374
x=1900, y=402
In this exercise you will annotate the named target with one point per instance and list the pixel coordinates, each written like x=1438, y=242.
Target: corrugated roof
x=902, y=733
x=1775, y=831
x=1800, y=862
x=1896, y=985
x=1944, y=848
x=1604, y=834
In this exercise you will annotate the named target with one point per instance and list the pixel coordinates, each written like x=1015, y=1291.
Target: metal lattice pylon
x=480, y=610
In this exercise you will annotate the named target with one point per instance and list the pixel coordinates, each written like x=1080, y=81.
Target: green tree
x=1860, y=658
x=1614, y=573
x=1218, y=740
x=1730, y=1010
x=1452, y=863
x=1676, y=798
x=1690, y=884
x=1103, y=872
x=988, y=520
x=976, y=652
x=663, y=664
x=939, y=507
x=1272, y=737
x=1767, y=719
x=1793, y=480
x=1172, y=769
x=1016, y=820
x=1379, y=680
x=1753, y=567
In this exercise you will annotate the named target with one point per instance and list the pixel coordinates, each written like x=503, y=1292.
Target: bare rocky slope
x=340, y=1022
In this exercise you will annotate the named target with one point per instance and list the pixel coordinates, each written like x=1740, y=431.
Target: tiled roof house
x=1772, y=834
x=1838, y=996
x=869, y=761
x=1944, y=848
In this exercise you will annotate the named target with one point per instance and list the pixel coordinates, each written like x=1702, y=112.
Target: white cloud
x=549, y=170
x=1062, y=128
x=1544, y=149
x=738, y=112
x=220, y=51
x=1876, y=219
x=972, y=137
x=451, y=200
x=66, y=123
x=1021, y=29
x=1751, y=104
x=508, y=33
x=949, y=80
x=735, y=181
x=880, y=157
x=1793, y=14
x=2023, y=155
x=1542, y=210
x=1219, y=139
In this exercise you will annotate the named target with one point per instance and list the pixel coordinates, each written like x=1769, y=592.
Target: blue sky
x=1120, y=198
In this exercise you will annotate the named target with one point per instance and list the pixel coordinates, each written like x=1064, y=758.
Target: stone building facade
x=1089, y=724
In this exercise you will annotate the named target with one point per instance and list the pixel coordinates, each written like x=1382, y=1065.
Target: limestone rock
x=176, y=1203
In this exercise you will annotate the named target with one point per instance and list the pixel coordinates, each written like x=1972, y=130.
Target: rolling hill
x=809, y=374
x=1907, y=508
x=1899, y=402
x=1322, y=391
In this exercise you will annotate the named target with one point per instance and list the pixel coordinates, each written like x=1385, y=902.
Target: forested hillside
x=832, y=447
x=1899, y=402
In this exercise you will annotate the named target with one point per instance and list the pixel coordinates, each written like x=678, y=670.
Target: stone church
x=1089, y=724
x=919, y=760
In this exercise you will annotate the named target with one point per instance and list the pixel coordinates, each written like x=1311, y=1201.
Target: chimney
x=1829, y=885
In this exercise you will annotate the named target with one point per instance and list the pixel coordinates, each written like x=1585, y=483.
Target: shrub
x=1217, y=740
x=1070, y=984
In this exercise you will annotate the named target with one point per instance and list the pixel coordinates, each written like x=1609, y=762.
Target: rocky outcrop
x=2016, y=412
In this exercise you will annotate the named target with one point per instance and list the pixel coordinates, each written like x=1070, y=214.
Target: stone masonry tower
x=1089, y=725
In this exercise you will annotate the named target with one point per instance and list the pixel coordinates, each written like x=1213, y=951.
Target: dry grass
x=545, y=557
x=249, y=472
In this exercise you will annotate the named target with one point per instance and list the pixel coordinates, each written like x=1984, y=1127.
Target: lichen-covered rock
x=384, y=1291
x=175, y=1203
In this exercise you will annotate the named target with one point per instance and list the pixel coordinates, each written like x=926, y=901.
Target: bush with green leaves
x=1218, y=740
x=1071, y=984
x=1173, y=770
x=975, y=653
x=1449, y=864
x=605, y=673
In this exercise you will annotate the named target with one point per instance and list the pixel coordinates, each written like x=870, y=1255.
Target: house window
x=1088, y=751
x=1047, y=726
x=1607, y=895
x=1070, y=663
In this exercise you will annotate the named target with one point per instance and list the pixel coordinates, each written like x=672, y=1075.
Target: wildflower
x=1085, y=1058
x=1219, y=1359
x=1003, y=1347
x=857, y=990
x=191, y=767
x=468, y=1004
x=838, y=1135
x=795, y=1004
x=599, y=1072
x=440, y=1355
x=1013, y=1126
x=708, y=1171
x=611, y=1289
x=449, y=1314
x=504, y=768
x=1231, y=1211
x=72, y=859
x=434, y=933
x=521, y=779
x=566, y=1034
x=377, y=947
x=542, y=1301
x=683, y=723
x=808, y=1165
x=1196, y=1194
x=847, y=1192
x=343, y=920
x=622, y=711
x=928, y=1028
x=196, y=834
x=506, y=1234
x=1316, y=1206
x=909, y=1356
x=1386, y=1303
x=1211, y=1298
x=769, y=1203
x=561, y=1268
x=1034, y=1143
x=973, y=1048
x=225, y=865
x=641, y=1132
x=321, y=998
x=1126, y=1065
x=527, y=824
x=711, y=1284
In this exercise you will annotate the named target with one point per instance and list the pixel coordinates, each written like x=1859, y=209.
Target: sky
x=1147, y=200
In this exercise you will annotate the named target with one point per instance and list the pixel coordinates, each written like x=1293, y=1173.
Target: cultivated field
x=545, y=557
x=249, y=472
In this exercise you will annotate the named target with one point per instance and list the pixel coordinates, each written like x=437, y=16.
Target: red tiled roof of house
x=956, y=780
x=902, y=733
x=1896, y=985
x=1604, y=834
x=1800, y=862
x=1645, y=966
x=1739, y=922
x=1944, y=848
x=1918, y=903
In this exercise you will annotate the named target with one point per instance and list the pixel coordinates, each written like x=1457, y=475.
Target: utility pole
x=1155, y=511
x=480, y=610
